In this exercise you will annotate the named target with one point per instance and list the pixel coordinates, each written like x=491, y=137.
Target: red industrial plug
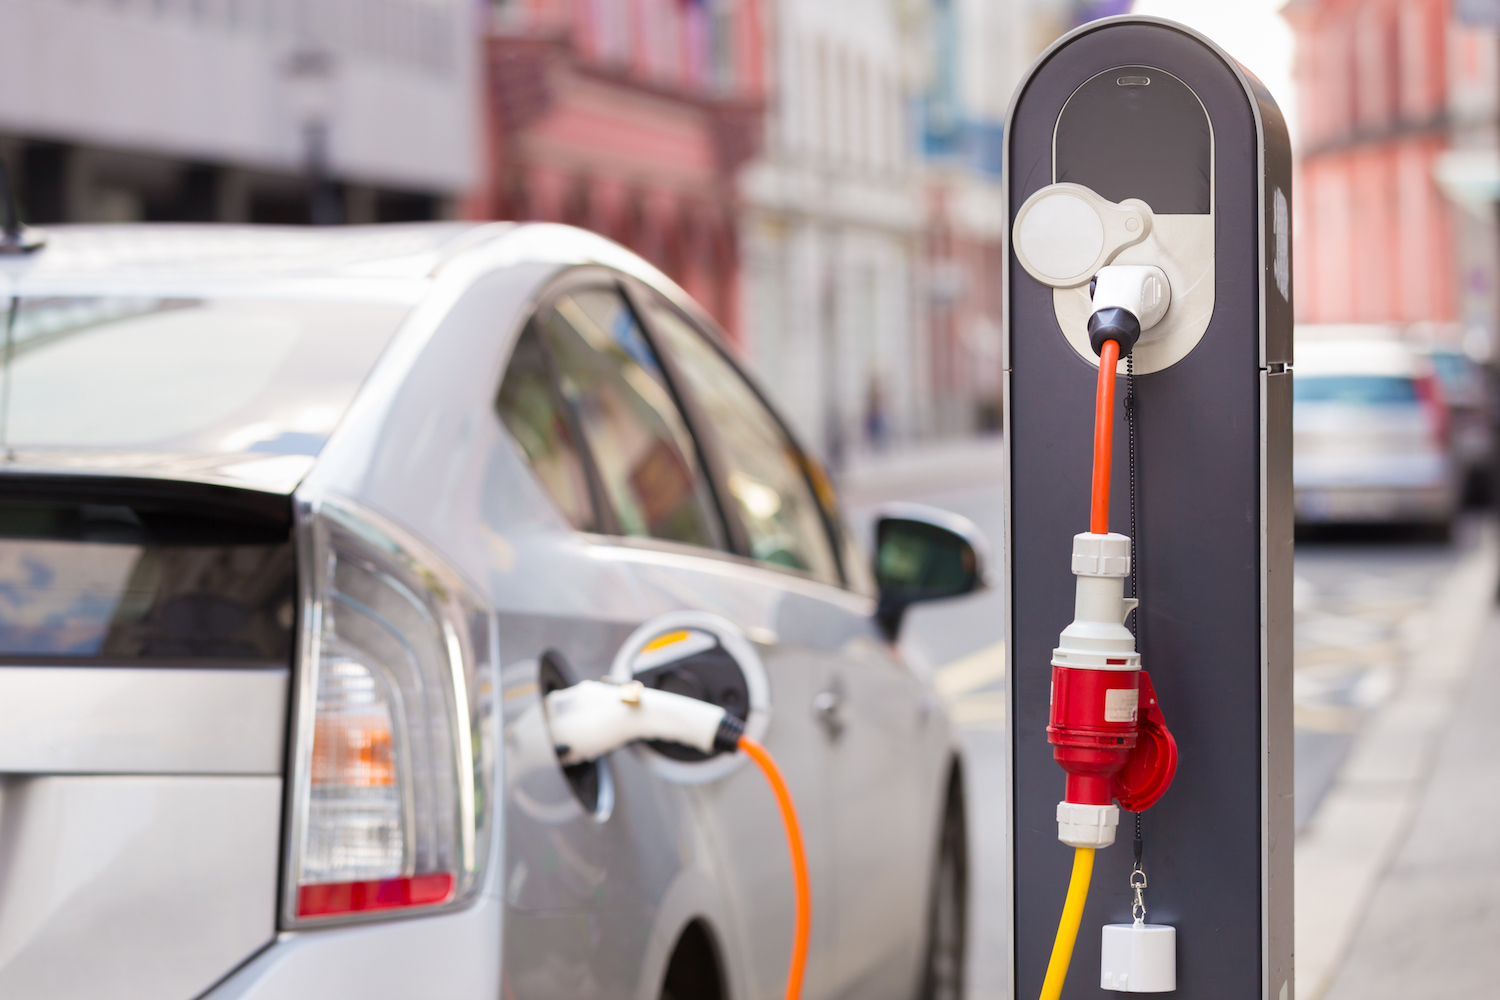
x=1106, y=728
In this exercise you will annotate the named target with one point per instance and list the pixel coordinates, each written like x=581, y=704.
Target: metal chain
x=1130, y=422
x=1137, y=873
x=1138, y=877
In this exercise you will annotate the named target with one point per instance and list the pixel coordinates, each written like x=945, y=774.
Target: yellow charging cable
x=1067, y=927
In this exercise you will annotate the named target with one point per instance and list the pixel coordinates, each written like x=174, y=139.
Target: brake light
x=393, y=755
x=1435, y=406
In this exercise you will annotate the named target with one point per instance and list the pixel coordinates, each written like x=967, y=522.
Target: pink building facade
x=630, y=118
x=1375, y=237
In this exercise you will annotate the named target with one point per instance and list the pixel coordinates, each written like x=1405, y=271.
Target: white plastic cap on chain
x=1138, y=958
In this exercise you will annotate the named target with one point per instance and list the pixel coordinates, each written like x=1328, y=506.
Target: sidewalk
x=1398, y=876
x=1432, y=927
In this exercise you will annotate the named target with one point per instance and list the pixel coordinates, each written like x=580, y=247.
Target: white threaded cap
x=1101, y=555
x=1087, y=826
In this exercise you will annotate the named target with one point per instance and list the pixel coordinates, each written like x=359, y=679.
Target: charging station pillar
x=1140, y=108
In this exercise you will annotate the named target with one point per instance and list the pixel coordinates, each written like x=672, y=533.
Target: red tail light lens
x=329, y=898
x=394, y=748
x=1435, y=406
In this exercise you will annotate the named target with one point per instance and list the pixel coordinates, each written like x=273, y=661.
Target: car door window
x=534, y=414
x=646, y=458
x=764, y=470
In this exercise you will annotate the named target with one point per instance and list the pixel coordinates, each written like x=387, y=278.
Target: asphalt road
x=1363, y=600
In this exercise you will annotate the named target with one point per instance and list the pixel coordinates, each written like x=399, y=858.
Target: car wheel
x=943, y=970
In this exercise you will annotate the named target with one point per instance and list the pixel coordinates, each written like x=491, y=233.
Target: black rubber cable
x=1130, y=424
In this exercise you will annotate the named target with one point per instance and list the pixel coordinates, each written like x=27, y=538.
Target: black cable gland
x=1114, y=323
x=727, y=739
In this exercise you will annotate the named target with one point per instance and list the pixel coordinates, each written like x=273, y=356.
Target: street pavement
x=1432, y=925
x=1386, y=627
x=1405, y=801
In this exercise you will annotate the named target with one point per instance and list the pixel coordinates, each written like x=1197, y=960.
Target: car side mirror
x=924, y=554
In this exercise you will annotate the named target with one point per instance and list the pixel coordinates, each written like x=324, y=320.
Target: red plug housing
x=1105, y=757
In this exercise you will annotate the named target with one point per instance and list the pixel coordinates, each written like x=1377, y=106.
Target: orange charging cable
x=768, y=767
x=1083, y=857
x=1104, y=436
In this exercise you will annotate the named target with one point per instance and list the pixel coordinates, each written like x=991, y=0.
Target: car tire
x=947, y=922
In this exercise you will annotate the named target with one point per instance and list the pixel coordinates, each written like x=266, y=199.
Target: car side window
x=534, y=414
x=764, y=470
x=632, y=428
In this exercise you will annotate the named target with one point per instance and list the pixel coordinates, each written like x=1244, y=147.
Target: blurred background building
x=823, y=176
x=1398, y=104
x=238, y=110
x=873, y=216
x=833, y=228
x=630, y=118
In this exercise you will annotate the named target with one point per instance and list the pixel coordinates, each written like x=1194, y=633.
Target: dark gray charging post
x=1145, y=109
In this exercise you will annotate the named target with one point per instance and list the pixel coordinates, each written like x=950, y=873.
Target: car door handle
x=826, y=705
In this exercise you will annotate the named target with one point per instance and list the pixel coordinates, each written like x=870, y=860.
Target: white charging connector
x=1128, y=299
x=592, y=718
x=1140, y=289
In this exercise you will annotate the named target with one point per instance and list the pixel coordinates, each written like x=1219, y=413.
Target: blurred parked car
x=1372, y=436
x=297, y=530
x=1471, y=408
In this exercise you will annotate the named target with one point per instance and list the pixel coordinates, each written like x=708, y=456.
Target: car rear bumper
x=1375, y=504
x=451, y=955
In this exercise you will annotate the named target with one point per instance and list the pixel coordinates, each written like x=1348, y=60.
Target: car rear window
x=189, y=376
x=126, y=581
x=1355, y=390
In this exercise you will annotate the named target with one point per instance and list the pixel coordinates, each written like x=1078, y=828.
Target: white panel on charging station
x=1139, y=958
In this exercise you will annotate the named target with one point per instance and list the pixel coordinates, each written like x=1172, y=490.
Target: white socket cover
x=1062, y=224
x=1065, y=232
x=1138, y=958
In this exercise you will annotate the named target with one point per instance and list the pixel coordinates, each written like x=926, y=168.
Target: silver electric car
x=1372, y=436
x=297, y=530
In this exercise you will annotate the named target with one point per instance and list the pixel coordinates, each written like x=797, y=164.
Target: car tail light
x=1435, y=406
x=393, y=750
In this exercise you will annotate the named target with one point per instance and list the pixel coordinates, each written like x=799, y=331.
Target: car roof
x=398, y=264
x=1357, y=357
x=381, y=262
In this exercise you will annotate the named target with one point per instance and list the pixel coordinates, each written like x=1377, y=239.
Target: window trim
x=638, y=295
x=709, y=441
x=602, y=516
x=607, y=521
x=710, y=454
